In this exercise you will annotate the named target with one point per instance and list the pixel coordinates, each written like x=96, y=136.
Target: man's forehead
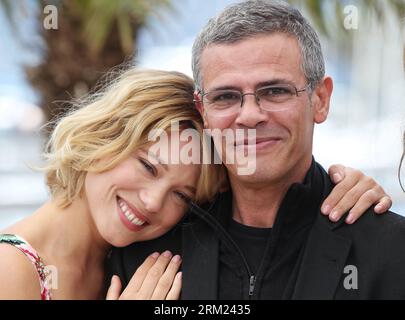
x=269, y=56
x=272, y=43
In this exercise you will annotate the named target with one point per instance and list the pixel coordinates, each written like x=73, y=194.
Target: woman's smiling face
x=139, y=200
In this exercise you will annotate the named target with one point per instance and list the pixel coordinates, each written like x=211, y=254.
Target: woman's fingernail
x=334, y=216
x=337, y=178
x=350, y=218
x=176, y=258
x=155, y=255
x=378, y=208
x=112, y=278
x=179, y=275
x=326, y=209
x=167, y=254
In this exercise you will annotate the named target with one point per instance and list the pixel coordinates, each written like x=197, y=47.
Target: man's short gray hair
x=260, y=17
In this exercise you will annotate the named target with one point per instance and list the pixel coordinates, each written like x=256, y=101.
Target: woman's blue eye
x=183, y=197
x=147, y=166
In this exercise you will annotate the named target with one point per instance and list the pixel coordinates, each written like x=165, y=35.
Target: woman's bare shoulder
x=18, y=277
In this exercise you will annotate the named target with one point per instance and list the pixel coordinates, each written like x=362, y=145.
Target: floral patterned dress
x=33, y=256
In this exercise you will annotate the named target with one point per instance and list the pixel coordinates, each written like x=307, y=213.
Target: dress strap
x=33, y=256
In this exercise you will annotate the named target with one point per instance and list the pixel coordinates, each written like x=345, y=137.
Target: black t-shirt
x=263, y=263
x=252, y=242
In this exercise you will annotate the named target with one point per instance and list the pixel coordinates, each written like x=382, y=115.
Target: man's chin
x=260, y=176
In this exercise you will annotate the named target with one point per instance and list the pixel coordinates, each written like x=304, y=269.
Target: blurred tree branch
x=317, y=11
x=327, y=25
x=92, y=37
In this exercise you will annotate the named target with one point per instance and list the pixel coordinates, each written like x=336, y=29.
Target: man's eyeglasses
x=269, y=98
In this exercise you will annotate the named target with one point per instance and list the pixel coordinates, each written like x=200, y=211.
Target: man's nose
x=152, y=198
x=250, y=114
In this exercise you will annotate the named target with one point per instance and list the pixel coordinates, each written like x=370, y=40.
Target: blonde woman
x=106, y=192
x=97, y=167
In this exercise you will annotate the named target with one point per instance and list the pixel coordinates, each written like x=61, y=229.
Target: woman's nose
x=152, y=199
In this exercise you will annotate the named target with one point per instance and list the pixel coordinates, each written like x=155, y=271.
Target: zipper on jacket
x=252, y=283
x=216, y=225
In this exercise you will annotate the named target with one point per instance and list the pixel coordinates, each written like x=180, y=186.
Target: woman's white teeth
x=130, y=216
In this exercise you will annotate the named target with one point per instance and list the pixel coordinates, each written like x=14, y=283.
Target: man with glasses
x=276, y=97
x=259, y=65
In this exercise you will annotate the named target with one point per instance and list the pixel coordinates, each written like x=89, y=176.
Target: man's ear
x=200, y=107
x=321, y=101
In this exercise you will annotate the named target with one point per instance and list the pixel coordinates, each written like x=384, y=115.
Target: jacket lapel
x=323, y=262
x=200, y=262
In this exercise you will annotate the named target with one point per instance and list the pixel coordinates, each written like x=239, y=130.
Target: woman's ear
x=200, y=107
x=323, y=93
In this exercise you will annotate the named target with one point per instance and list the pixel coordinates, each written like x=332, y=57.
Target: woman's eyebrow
x=157, y=159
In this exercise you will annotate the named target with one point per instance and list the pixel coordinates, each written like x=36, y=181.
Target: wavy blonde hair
x=116, y=121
